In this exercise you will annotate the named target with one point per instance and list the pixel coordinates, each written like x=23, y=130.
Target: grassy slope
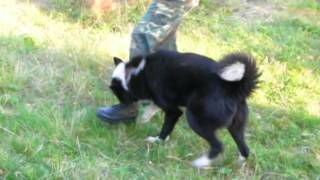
x=55, y=64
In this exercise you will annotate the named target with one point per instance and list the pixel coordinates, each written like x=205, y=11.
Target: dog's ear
x=117, y=60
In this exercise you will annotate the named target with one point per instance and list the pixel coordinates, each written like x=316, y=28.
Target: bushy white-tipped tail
x=233, y=72
x=240, y=74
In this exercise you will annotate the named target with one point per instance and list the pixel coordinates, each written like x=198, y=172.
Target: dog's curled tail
x=240, y=73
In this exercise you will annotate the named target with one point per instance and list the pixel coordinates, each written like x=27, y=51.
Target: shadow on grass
x=284, y=141
x=283, y=144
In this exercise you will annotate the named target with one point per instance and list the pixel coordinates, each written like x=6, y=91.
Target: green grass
x=55, y=64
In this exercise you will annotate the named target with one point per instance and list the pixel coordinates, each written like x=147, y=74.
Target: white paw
x=151, y=139
x=202, y=162
x=241, y=159
x=156, y=139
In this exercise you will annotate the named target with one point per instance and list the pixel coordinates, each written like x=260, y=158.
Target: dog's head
x=122, y=76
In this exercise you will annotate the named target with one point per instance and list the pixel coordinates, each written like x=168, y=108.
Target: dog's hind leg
x=237, y=130
x=208, y=134
x=171, y=117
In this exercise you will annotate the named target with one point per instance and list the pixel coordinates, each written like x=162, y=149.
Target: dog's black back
x=214, y=93
x=174, y=77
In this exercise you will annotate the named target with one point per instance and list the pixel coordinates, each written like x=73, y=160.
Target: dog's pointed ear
x=117, y=61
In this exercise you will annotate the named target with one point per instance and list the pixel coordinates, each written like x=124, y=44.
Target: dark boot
x=118, y=113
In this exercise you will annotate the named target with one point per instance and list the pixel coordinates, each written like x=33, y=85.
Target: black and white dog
x=214, y=93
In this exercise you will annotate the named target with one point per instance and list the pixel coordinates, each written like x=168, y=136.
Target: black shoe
x=118, y=113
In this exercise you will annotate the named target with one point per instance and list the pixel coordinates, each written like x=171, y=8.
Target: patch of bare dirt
x=256, y=10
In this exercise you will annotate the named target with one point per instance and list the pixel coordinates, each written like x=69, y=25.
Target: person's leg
x=156, y=30
x=170, y=43
x=147, y=109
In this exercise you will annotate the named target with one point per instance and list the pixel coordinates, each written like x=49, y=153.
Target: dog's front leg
x=171, y=117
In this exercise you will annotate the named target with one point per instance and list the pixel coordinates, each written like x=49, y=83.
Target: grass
x=55, y=64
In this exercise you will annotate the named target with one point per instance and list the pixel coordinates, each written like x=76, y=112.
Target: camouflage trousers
x=157, y=29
